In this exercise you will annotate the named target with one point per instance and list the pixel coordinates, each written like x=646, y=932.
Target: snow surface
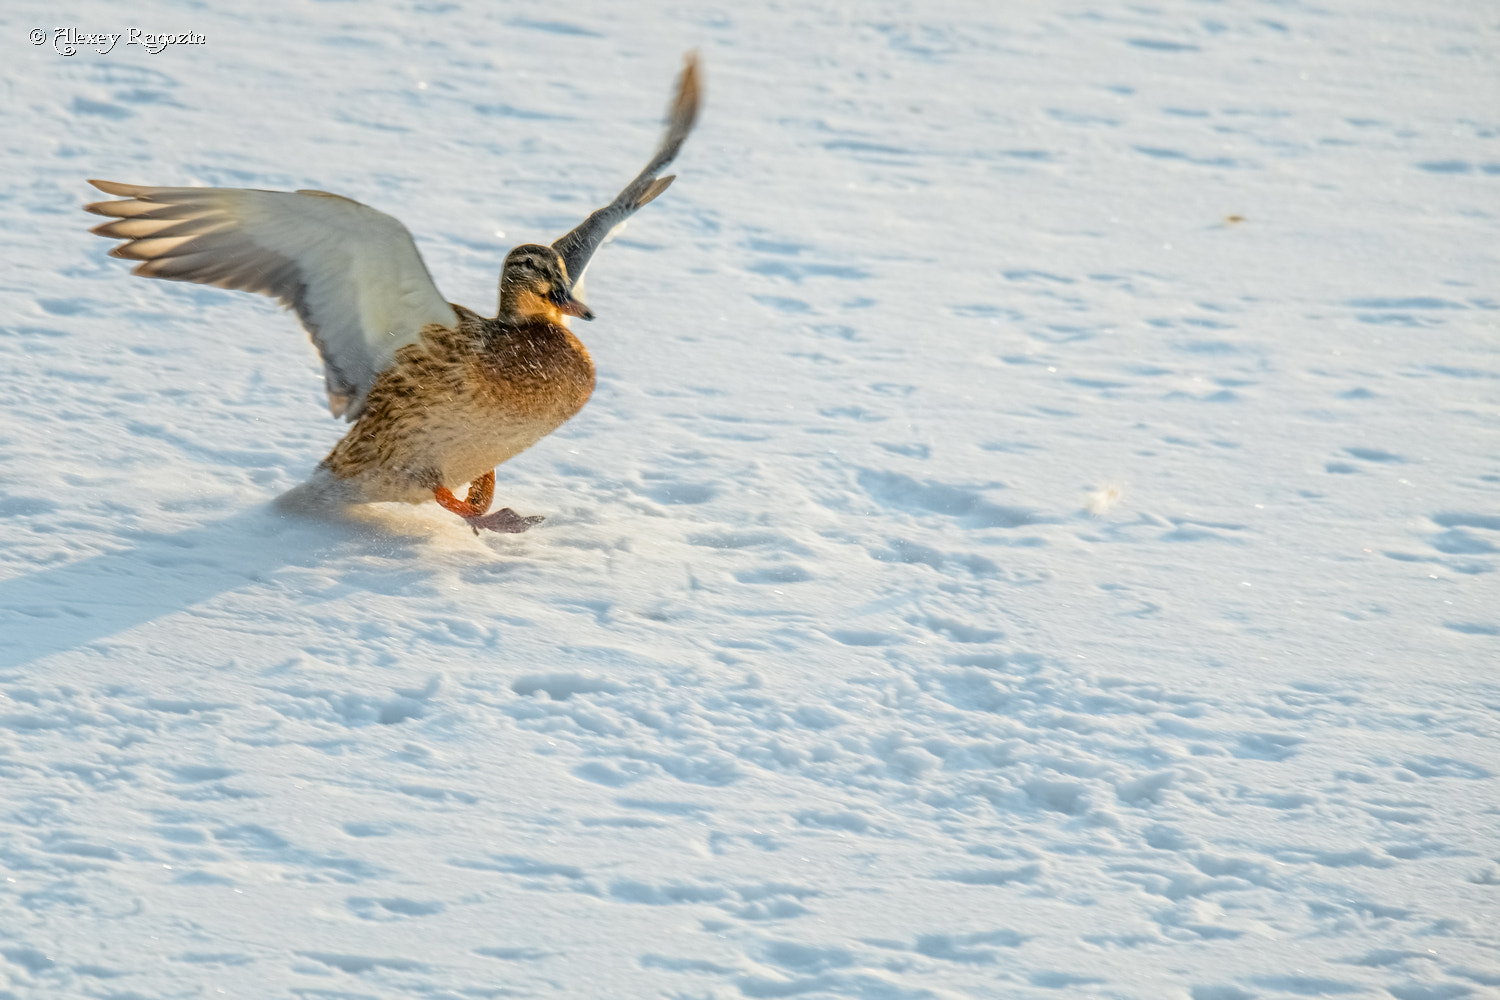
x=1035, y=534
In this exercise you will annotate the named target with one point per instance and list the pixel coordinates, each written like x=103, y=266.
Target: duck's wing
x=579, y=245
x=352, y=274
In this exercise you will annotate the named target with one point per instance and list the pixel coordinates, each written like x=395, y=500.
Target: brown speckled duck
x=438, y=395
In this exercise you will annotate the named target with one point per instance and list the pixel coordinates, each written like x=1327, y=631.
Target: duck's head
x=534, y=285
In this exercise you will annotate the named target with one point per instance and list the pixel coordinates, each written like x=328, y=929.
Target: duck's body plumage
x=438, y=395
x=459, y=402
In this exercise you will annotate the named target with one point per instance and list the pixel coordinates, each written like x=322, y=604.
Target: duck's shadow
x=59, y=609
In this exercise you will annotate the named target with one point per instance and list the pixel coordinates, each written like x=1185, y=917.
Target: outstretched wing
x=352, y=274
x=579, y=245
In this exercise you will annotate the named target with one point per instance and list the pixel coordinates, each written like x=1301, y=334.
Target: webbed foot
x=472, y=508
x=505, y=521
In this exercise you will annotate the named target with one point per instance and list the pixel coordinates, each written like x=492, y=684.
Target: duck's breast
x=528, y=382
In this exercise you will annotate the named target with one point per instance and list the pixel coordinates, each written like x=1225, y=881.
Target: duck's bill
x=572, y=307
x=568, y=305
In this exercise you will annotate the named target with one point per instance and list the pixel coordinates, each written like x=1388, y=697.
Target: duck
x=437, y=394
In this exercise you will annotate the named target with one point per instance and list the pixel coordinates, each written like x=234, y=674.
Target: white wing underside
x=352, y=275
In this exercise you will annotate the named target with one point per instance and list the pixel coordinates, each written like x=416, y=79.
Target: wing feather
x=352, y=274
x=578, y=246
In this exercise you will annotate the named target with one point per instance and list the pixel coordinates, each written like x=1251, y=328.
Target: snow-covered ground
x=1035, y=535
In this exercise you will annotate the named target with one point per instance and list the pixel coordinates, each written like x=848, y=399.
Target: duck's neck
x=522, y=305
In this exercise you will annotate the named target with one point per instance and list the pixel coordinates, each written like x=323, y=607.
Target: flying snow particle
x=1102, y=499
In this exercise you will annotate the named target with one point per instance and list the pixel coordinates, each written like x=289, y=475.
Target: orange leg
x=472, y=507
x=481, y=492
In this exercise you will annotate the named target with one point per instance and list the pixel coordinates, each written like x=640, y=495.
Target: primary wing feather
x=578, y=246
x=353, y=275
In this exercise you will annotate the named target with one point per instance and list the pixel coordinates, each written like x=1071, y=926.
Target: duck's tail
x=321, y=493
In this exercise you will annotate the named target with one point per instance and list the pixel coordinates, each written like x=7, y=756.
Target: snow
x=1035, y=534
